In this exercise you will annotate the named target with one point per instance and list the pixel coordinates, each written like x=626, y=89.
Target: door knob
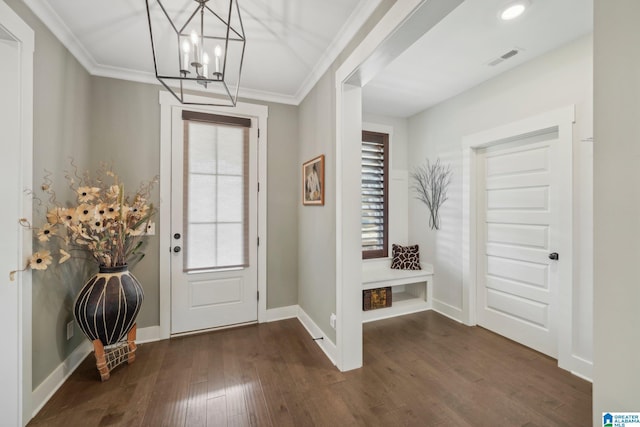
x=177, y=249
x=554, y=256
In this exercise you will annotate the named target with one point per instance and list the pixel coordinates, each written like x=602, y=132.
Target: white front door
x=213, y=222
x=518, y=229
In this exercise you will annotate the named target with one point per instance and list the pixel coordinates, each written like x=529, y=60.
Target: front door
x=213, y=221
x=518, y=279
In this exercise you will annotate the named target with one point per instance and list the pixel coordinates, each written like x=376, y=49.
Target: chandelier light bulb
x=185, y=56
x=218, y=53
x=196, y=51
x=205, y=66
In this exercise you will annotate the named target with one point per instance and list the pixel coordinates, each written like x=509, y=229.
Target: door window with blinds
x=375, y=194
x=215, y=191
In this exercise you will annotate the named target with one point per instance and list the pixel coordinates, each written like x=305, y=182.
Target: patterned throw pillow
x=405, y=257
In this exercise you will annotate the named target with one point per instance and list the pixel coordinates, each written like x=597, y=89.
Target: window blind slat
x=374, y=194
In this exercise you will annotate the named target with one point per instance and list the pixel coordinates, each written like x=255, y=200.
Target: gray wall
x=317, y=224
x=616, y=207
x=126, y=132
x=96, y=119
x=60, y=131
x=283, y=189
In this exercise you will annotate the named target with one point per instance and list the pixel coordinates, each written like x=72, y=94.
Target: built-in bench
x=411, y=289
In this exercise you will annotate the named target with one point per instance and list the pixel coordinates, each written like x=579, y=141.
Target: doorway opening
x=402, y=25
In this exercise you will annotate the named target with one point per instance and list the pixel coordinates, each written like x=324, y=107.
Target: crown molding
x=150, y=78
x=57, y=26
x=262, y=95
x=125, y=74
x=352, y=25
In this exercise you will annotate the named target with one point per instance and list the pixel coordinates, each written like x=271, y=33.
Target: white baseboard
x=148, y=334
x=581, y=368
x=453, y=313
x=52, y=383
x=282, y=313
x=314, y=330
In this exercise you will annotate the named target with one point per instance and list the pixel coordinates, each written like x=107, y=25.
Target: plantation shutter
x=374, y=191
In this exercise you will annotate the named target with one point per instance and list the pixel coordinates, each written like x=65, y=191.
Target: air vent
x=504, y=57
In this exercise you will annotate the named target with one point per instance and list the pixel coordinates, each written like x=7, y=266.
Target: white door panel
x=518, y=271
x=521, y=309
x=535, y=236
x=518, y=198
x=518, y=163
x=528, y=217
x=517, y=282
x=519, y=253
x=525, y=290
x=213, y=225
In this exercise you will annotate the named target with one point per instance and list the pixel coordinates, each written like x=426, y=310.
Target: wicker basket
x=376, y=298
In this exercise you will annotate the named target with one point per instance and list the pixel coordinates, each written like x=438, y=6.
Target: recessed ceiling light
x=513, y=10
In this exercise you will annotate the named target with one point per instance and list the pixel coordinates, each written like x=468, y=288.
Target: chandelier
x=197, y=48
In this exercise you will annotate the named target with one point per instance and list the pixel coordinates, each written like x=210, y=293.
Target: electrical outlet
x=332, y=320
x=151, y=229
x=70, y=330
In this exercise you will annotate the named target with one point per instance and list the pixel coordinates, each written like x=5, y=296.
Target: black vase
x=107, y=305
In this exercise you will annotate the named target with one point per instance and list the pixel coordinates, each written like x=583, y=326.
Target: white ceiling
x=291, y=43
x=455, y=54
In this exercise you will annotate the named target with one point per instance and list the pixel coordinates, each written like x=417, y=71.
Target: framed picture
x=313, y=181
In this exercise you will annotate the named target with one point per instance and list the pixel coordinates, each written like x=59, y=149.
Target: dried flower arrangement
x=430, y=185
x=104, y=223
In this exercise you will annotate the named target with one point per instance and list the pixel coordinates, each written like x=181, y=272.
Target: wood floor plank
x=217, y=412
x=419, y=370
x=196, y=415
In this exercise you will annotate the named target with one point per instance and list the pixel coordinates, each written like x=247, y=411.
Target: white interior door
x=213, y=222
x=519, y=190
x=16, y=136
x=10, y=256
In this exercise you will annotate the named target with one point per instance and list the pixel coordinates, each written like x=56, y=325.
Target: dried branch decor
x=430, y=183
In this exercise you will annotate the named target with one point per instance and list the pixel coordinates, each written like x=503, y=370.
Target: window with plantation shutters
x=375, y=192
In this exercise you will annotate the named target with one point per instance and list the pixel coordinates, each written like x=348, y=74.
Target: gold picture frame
x=313, y=181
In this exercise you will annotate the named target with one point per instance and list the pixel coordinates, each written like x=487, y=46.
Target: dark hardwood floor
x=421, y=369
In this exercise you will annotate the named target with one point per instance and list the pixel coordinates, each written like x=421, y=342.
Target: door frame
x=24, y=36
x=260, y=112
x=563, y=120
x=403, y=24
